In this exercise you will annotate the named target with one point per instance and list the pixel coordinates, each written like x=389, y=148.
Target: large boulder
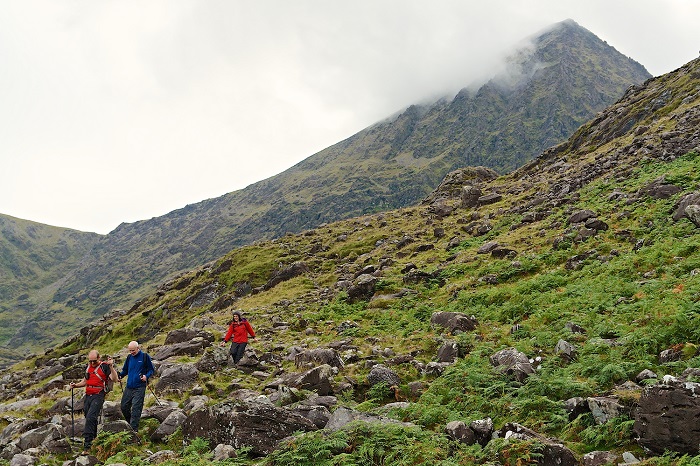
x=687, y=200
x=459, y=431
x=318, y=380
x=667, y=417
x=513, y=363
x=192, y=347
x=318, y=356
x=454, y=321
x=344, y=416
x=182, y=335
x=382, y=374
x=49, y=437
x=214, y=359
x=171, y=423
x=178, y=377
x=448, y=352
x=259, y=426
x=554, y=453
x=15, y=428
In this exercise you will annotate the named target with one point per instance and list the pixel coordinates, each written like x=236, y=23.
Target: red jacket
x=239, y=331
x=94, y=384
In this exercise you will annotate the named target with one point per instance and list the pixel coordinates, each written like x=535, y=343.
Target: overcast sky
x=117, y=111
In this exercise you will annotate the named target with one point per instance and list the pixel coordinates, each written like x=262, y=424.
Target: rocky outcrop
x=667, y=417
x=259, y=426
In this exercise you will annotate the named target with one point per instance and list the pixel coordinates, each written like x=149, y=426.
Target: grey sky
x=117, y=111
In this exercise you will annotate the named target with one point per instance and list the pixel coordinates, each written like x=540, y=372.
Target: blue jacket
x=135, y=367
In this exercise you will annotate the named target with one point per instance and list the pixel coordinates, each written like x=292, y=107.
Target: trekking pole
x=154, y=395
x=72, y=414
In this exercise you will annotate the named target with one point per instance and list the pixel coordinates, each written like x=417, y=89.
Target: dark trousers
x=237, y=351
x=132, y=405
x=92, y=408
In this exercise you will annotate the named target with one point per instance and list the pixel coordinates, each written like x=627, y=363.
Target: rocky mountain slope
x=548, y=316
x=550, y=87
x=33, y=257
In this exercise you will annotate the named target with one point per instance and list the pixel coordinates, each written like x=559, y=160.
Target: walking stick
x=154, y=395
x=72, y=414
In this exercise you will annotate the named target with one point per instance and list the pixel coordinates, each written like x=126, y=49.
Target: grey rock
x=513, y=363
x=666, y=417
x=454, y=321
x=260, y=426
x=223, y=452
x=600, y=458
x=382, y=374
x=460, y=432
x=169, y=425
x=448, y=352
x=604, y=408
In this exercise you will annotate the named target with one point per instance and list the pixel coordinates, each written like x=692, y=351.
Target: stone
x=454, y=321
x=604, y=408
x=178, y=377
x=382, y=374
x=460, y=432
x=174, y=420
x=448, y=352
x=513, y=363
x=259, y=426
x=666, y=417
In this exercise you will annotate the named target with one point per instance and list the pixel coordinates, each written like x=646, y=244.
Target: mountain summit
x=553, y=84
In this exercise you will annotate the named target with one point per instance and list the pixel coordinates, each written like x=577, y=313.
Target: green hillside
x=557, y=82
x=33, y=256
x=590, y=244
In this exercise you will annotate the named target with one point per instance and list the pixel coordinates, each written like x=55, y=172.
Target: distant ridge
x=549, y=88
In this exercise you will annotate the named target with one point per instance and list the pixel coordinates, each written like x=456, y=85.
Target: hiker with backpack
x=238, y=330
x=96, y=383
x=138, y=368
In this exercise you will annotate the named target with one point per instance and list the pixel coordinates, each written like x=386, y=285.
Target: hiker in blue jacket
x=138, y=368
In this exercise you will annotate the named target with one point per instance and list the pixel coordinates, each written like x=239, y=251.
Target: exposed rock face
x=259, y=426
x=287, y=273
x=667, y=417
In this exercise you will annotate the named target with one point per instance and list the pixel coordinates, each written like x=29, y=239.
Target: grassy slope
x=644, y=299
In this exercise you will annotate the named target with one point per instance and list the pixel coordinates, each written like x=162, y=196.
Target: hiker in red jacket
x=95, y=383
x=238, y=331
